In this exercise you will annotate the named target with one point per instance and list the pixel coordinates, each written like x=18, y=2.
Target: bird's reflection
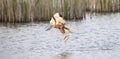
x=64, y=55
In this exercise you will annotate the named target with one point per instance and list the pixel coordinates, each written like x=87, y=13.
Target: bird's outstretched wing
x=48, y=27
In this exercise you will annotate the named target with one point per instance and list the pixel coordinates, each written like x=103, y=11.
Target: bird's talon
x=65, y=38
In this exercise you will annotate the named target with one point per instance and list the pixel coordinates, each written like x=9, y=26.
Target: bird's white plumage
x=58, y=21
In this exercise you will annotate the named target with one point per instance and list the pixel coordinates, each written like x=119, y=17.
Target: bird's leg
x=63, y=32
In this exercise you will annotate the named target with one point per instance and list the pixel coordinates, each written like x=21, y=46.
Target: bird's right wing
x=48, y=27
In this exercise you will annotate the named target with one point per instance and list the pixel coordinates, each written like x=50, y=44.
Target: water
x=93, y=38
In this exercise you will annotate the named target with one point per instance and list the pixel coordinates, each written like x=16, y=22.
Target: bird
x=57, y=21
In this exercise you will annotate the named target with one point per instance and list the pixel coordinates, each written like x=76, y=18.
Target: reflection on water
x=93, y=38
x=64, y=55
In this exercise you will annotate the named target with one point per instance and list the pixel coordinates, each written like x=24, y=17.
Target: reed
x=37, y=10
x=104, y=5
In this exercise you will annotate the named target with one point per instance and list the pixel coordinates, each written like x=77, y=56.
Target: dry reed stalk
x=104, y=5
x=32, y=10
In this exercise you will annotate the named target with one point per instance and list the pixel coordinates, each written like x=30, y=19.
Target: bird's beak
x=48, y=27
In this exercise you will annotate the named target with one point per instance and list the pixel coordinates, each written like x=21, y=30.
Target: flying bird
x=57, y=21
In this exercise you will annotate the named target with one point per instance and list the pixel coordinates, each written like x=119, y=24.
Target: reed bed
x=103, y=5
x=35, y=10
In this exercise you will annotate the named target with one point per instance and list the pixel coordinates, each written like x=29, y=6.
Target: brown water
x=93, y=38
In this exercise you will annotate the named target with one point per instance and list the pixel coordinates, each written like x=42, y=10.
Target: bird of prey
x=57, y=21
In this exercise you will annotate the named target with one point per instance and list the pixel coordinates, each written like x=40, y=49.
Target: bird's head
x=57, y=15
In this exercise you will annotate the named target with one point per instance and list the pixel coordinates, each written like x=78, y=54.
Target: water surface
x=93, y=38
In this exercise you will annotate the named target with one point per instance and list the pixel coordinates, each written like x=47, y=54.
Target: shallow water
x=93, y=38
